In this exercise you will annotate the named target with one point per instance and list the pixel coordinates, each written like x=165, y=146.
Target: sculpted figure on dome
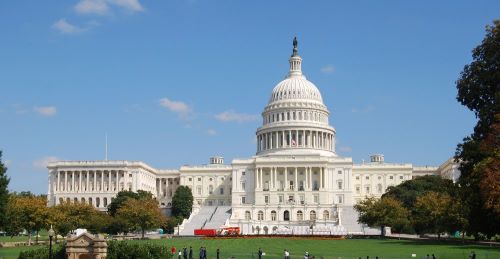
x=294, y=47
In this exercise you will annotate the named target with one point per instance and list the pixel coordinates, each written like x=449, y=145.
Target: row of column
x=273, y=178
x=295, y=116
x=162, y=185
x=87, y=181
x=294, y=139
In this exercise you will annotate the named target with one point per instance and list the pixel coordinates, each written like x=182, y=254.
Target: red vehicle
x=225, y=231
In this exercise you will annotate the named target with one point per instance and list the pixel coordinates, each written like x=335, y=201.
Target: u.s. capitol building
x=296, y=179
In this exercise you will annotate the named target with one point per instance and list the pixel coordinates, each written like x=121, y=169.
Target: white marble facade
x=295, y=178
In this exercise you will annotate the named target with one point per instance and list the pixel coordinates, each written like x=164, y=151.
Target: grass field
x=350, y=248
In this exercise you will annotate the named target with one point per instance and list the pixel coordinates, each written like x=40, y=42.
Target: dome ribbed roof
x=295, y=88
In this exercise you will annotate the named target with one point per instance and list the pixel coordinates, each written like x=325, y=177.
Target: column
x=94, y=182
x=285, y=187
x=58, y=181
x=66, y=181
x=277, y=139
x=296, y=184
x=102, y=181
x=117, y=181
x=289, y=138
x=282, y=138
x=79, y=181
x=261, y=174
x=275, y=177
x=322, y=178
x=87, y=186
x=73, y=181
x=256, y=181
x=304, y=138
x=109, y=181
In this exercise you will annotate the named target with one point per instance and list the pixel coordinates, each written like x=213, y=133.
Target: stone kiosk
x=86, y=246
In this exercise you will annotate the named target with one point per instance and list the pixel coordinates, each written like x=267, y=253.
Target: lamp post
x=51, y=235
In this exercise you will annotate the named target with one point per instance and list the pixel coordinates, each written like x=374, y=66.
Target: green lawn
x=351, y=248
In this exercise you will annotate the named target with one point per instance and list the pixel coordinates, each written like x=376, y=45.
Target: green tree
x=68, y=216
x=479, y=154
x=4, y=193
x=182, y=202
x=29, y=213
x=122, y=196
x=383, y=212
x=408, y=191
x=141, y=213
x=438, y=213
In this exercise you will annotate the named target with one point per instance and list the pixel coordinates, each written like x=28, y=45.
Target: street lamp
x=51, y=235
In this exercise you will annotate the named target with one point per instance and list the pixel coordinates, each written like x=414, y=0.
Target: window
x=300, y=215
x=260, y=215
x=199, y=179
x=281, y=198
x=367, y=177
x=358, y=189
x=243, y=200
x=243, y=185
x=391, y=177
x=243, y=173
x=401, y=177
x=190, y=179
x=339, y=183
x=302, y=199
x=129, y=175
x=210, y=189
x=379, y=188
x=221, y=190
x=266, y=199
x=357, y=177
x=198, y=190
x=247, y=214
x=339, y=172
x=367, y=188
x=210, y=179
x=340, y=199
x=380, y=177
x=312, y=215
x=316, y=198
x=326, y=214
x=273, y=215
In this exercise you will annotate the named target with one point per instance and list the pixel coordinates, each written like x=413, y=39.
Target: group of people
x=188, y=254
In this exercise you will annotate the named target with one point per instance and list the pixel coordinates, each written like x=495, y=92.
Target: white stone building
x=295, y=180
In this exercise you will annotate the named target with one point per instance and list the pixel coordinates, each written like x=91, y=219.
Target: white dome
x=295, y=88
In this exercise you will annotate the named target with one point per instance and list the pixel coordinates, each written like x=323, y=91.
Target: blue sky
x=175, y=82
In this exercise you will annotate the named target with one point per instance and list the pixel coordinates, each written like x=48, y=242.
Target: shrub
x=127, y=250
x=58, y=252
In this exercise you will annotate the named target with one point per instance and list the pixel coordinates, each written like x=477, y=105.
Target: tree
x=382, y=212
x=438, y=213
x=29, y=213
x=4, y=193
x=182, y=202
x=408, y=191
x=479, y=154
x=141, y=213
x=122, y=196
x=68, y=216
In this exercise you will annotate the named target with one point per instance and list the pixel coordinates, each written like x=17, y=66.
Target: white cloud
x=231, y=115
x=131, y=5
x=328, y=69
x=211, y=132
x=99, y=7
x=67, y=28
x=46, y=110
x=345, y=149
x=179, y=107
x=7, y=162
x=43, y=162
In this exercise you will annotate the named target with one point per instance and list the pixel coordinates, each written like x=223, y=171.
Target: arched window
x=273, y=215
x=260, y=215
x=379, y=188
x=90, y=201
x=300, y=215
x=75, y=200
x=286, y=215
x=82, y=200
x=312, y=215
x=97, y=202
x=105, y=201
x=210, y=189
x=326, y=214
x=248, y=215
